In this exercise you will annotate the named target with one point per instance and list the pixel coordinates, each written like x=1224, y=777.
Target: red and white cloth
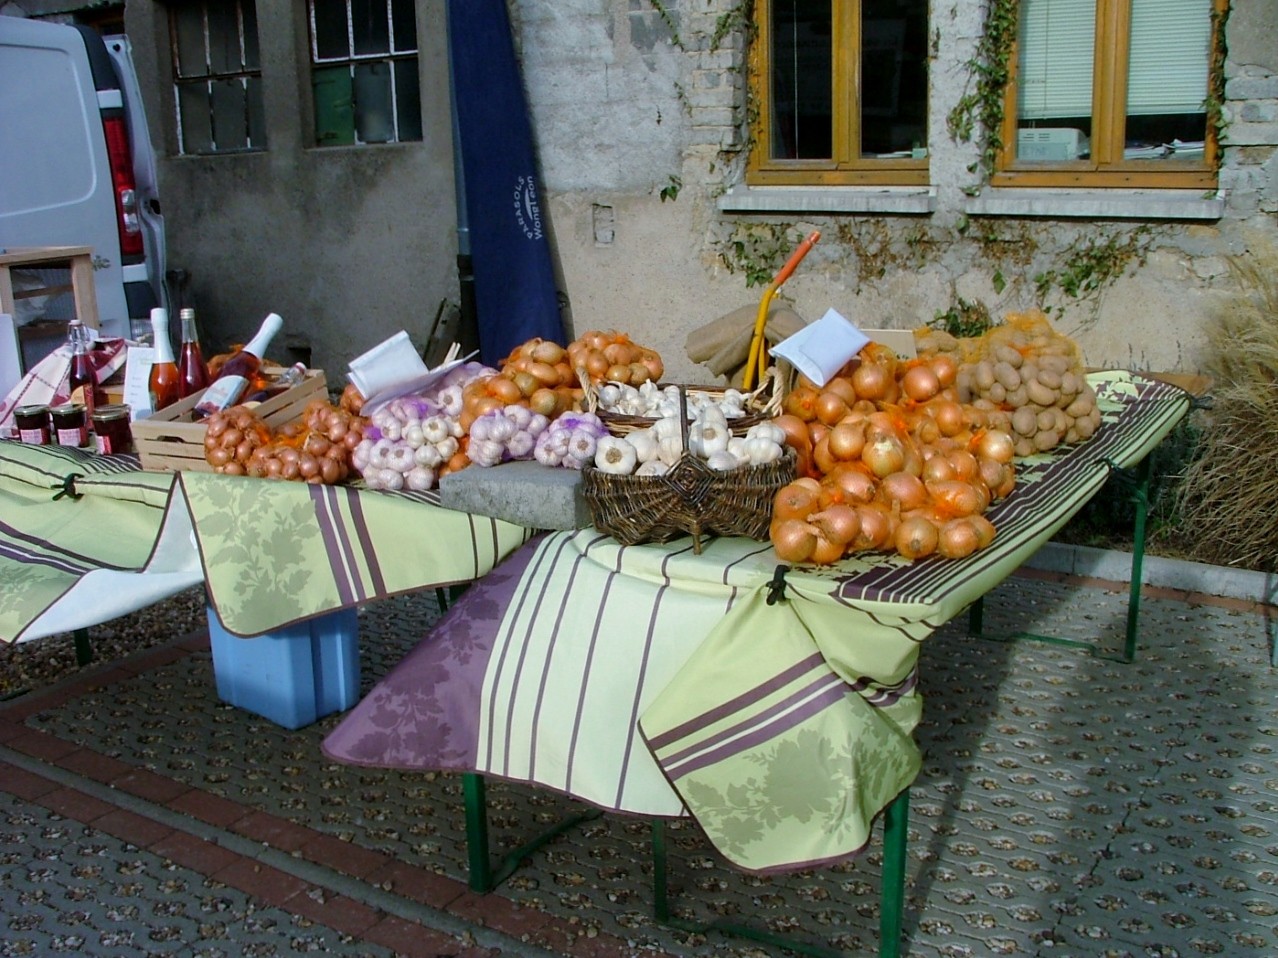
x=47, y=382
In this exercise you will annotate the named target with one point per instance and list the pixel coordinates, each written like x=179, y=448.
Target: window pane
x=224, y=38
x=370, y=26
x=188, y=23
x=1167, y=79
x=256, y=112
x=230, y=131
x=893, y=76
x=802, y=63
x=252, y=56
x=193, y=108
x=330, y=29
x=334, y=106
x=404, y=14
x=408, y=100
x=374, y=119
x=1054, y=79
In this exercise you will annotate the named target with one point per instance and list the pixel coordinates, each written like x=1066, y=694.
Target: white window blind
x=1054, y=69
x=1169, y=57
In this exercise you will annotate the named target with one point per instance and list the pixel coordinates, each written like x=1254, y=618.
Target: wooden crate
x=170, y=440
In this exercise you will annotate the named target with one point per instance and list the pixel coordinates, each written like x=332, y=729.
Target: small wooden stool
x=78, y=258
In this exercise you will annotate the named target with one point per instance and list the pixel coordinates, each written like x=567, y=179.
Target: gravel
x=31, y=665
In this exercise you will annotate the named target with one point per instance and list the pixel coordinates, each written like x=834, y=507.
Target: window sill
x=1099, y=204
x=900, y=200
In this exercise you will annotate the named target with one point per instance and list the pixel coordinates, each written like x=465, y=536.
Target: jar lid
x=115, y=410
x=66, y=408
x=37, y=410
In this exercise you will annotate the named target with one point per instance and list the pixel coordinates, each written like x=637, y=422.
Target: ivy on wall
x=979, y=111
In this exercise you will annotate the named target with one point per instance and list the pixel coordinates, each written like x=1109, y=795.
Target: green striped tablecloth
x=651, y=680
x=270, y=553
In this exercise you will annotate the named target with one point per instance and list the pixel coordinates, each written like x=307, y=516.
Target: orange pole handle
x=796, y=257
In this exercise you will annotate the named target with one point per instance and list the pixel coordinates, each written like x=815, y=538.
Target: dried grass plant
x=1227, y=500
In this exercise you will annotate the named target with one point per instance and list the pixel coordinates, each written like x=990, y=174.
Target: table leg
x=891, y=892
x=1141, y=496
x=83, y=650
x=483, y=876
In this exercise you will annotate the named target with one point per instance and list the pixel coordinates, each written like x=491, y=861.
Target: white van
x=77, y=167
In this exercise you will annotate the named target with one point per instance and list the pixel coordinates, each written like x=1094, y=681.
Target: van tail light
x=128, y=218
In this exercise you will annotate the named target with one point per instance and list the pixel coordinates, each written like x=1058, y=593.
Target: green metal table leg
x=481, y=874
x=83, y=650
x=1141, y=495
x=976, y=617
x=660, y=899
x=892, y=894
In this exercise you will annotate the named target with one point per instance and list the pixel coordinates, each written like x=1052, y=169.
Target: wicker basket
x=761, y=404
x=689, y=499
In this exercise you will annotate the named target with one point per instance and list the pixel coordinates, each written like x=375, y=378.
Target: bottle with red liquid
x=165, y=381
x=193, y=371
x=83, y=378
x=238, y=372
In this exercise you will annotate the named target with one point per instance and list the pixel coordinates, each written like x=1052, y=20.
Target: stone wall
x=639, y=110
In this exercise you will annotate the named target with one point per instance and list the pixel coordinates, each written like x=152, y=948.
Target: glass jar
x=70, y=424
x=111, y=427
x=33, y=424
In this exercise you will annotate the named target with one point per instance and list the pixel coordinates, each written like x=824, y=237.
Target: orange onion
x=916, y=537
x=884, y=456
x=793, y=540
x=903, y=489
x=955, y=497
x=958, y=539
x=871, y=381
x=795, y=500
x=846, y=440
x=838, y=523
x=920, y=383
x=876, y=530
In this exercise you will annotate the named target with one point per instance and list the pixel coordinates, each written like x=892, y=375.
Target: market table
x=777, y=710
x=87, y=538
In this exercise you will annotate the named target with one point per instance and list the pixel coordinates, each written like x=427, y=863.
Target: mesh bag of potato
x=1029, y=370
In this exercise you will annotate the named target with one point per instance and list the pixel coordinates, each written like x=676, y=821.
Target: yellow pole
x=756, y=361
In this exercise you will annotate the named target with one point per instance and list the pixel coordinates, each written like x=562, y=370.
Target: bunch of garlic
x=652, y=451
x=651, y=400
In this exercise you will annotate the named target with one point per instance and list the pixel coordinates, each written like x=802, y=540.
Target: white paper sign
x=137, y=378
x=820, y=349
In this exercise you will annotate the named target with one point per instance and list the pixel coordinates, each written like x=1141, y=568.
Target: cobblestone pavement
x=1069, y=805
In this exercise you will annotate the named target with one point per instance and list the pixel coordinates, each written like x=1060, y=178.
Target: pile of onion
x=890, y=460
x=231, y=436
x=315, y=448
x=611, y=356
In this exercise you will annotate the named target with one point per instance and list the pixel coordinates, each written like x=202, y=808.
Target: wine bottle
x=83, y=378
x=193, y=371
x=165, y=380
x=238, y=371
x=291, y=377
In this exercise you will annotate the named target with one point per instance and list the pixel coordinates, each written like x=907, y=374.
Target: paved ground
x=1069, y=805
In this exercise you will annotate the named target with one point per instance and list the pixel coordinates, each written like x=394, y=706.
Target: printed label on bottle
x=222, y=393
x=34, y=437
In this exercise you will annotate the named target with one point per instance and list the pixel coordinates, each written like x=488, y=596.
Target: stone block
x=525, y=493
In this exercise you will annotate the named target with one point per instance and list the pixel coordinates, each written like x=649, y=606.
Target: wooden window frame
x=1106, y=168
x=847, y=168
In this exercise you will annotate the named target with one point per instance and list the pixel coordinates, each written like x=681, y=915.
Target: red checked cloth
x=46, y=383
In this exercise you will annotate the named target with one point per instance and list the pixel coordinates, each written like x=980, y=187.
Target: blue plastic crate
x=293, y=676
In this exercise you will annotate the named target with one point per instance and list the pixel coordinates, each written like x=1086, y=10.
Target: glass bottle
x=193, y=371
x=293, y=376
x=165, y=380
x=83, y=378
x=237, y=372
